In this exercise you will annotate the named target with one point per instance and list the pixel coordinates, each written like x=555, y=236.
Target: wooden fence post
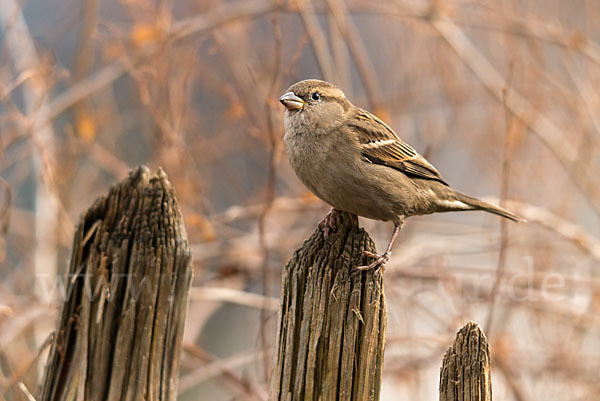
x=331, y=331
x=121, y=325
x=466, y=373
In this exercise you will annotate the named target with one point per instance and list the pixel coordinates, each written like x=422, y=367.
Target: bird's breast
x=329, y=168
x=307, y=157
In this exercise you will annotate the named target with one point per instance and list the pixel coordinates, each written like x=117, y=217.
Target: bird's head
x=315, y=103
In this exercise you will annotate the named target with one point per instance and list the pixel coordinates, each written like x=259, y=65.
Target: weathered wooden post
x=332, y=322
x=466, y=373
x=121, y=325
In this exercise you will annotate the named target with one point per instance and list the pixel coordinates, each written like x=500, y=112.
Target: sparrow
x=356, y=163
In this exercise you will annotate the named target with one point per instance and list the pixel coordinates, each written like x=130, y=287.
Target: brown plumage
x=355, y=162
x=381, y=145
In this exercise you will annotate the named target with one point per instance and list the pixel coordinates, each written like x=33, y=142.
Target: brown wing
x=380, y=145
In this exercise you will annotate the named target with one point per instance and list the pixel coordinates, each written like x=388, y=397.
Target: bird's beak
x=291, y=101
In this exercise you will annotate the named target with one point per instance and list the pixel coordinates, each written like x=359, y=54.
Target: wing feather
x=380, y=145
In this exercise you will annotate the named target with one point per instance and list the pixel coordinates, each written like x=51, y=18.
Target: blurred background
x=500, y=95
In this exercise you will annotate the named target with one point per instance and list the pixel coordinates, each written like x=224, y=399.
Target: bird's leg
x=381, y=260
x=328, y=223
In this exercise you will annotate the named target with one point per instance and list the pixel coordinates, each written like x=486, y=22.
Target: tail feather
x=476, y=204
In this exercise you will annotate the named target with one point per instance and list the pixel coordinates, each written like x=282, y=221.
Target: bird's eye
x=315, y=96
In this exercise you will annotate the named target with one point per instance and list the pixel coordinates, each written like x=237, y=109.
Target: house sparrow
x=356, y=163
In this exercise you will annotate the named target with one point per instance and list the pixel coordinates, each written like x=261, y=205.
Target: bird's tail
x=470, y=203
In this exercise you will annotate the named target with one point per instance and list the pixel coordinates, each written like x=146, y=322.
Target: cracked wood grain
x=466, y=373
x=121, y=325
x=332, y=322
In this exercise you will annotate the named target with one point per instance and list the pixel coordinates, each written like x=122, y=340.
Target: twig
x=359, y=52
x=547, y=31
x=545, y=129
x=510, y=125
x=511, y=379
x=281, y=203
x=26, y=391
x=274, y=157
x=47, y=203
x=317, y=38
x=16, y=377
x=340, y=54
x=179, y=31
x=7, y=89
x=214, y=294
x=103, y=157
x=527, y=26
x=571, y=231
x=225, y=369
x=107, y=75
x=5, y=206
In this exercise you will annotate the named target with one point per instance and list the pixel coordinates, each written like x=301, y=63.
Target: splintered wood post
x=121, y=325
x=466, y=373
x=332, y=322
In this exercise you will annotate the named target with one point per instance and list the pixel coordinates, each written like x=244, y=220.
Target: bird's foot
x=378, y=264
x=329, y=223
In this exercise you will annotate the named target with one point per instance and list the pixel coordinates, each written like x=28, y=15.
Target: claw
x=328, y=224
x=380, y=260
x=378, y=264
